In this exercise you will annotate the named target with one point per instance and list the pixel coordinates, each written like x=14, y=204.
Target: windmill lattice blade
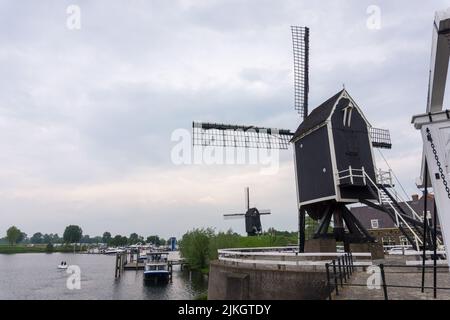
x=300, y=40
x=265, y=211
x=381, y=138
x=234, y=216
x=238, y=136
x=247, y=198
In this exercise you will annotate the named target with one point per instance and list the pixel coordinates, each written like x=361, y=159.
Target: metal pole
x=435, y=251
x=424, y=244
x=351, y=261
x=347, y=263
x=328, y=280
x=344, y=268
x=340, y=272
x=336, y=287
x=383, y=279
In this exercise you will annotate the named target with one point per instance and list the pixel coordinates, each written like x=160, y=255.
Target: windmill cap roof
x=317, y=116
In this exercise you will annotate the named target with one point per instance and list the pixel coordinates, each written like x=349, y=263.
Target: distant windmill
x=252, y=216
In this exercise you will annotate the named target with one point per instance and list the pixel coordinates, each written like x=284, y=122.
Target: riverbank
x=8, y=249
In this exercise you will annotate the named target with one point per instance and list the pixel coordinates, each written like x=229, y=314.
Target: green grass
x=203, y=296
x=19, y=248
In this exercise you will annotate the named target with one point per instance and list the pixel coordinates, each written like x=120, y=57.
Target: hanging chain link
x=438, y=163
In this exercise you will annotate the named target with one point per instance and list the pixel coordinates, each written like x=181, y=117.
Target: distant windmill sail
x=247, y=198
x=300, y=40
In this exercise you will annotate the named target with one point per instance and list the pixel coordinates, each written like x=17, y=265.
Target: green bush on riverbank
x=200, y=246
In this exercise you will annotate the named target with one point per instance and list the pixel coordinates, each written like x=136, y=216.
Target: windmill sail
x=234, y=216
x=247, y=198
x=381, y=138
x=238, y=136
x=300, y=41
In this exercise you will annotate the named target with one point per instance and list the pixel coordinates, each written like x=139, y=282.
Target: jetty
x=130, y=260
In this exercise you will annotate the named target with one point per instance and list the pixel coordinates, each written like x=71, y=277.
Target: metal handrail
x=416, y=237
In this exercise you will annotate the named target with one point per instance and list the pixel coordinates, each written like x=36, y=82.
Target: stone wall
x=257, y=282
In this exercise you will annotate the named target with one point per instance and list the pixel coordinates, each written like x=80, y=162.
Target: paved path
x=396, y=276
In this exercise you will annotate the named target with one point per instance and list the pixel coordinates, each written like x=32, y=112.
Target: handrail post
x=351, y=259
x=344, y=268
x=336, y=287
x=383, y=279
x=363, y=175
x=347, y=264
x=340, y=272
x=351, y=174
x=327, y=265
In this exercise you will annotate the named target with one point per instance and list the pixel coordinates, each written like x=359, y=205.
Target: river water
x=35, y=276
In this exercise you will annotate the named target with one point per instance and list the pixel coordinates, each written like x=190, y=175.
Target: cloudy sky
x=87, y=115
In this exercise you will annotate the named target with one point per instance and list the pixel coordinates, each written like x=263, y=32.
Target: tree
x=106, y=237
x=37, y=238
x=118, y=241
x=85, y=239
x=22, y=238
x=72, y=234
x=134, y=238
x=194, y=247
x=155, y=240
x=13, y=234
x=47, y=238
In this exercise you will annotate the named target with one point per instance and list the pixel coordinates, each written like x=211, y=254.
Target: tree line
x=74, y=234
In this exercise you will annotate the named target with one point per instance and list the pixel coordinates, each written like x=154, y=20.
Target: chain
x=438, y=163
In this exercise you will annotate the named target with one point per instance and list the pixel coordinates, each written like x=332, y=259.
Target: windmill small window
x=347, y=118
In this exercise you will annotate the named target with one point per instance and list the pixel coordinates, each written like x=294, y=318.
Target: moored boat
x=157, y=268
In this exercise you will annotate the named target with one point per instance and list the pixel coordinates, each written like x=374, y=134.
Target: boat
x=113, y=251
x=157, y=268
x=62, y=266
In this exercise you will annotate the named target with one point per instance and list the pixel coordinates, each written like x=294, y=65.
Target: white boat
x=157, y=267
x=113, y=251
x=62, y=266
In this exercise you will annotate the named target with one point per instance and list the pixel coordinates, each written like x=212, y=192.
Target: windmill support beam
x=352, y=232
x=301, y=230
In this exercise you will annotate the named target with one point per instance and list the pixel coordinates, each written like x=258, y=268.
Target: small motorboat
x=62, y=266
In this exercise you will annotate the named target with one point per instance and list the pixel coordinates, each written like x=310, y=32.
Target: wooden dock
x=127, y=261
x=134, y=266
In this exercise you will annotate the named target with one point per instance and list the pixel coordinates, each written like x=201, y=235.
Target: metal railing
x=339, y=272
x=398, y=216
x=262, y=256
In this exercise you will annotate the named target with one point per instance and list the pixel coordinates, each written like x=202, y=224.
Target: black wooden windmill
x=252, y=216
x=333, y=149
